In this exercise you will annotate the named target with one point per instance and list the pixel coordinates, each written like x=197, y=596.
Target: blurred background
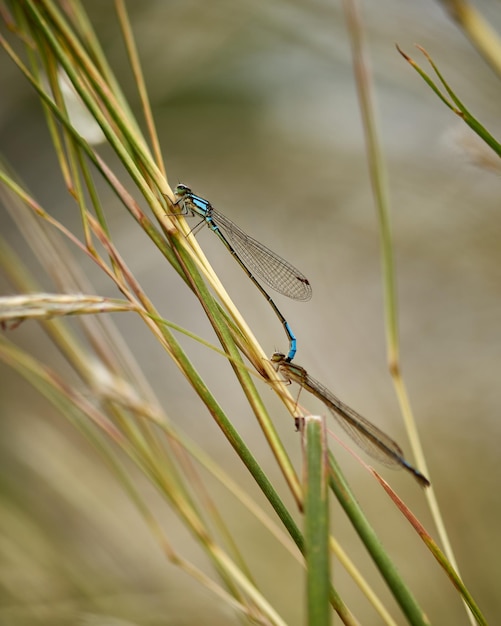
x=257, y=110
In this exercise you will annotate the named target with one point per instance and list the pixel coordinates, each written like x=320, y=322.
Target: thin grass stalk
x=437, y=553
x=316, y=521
x=477, y=29
x=139, y=79
x=361, y=583
x=454, y=103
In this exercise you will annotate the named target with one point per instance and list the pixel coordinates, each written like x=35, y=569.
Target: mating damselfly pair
x=255, y=258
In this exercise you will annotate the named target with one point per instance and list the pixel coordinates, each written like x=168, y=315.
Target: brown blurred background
x=257, y=110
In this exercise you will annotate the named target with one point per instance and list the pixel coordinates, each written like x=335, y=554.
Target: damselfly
x=369, y=437
x=252, y=256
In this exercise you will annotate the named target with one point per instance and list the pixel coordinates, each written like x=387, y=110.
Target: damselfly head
x=182, y=190
x=277, y=357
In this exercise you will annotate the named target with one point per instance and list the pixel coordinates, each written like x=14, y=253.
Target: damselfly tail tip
x=421, y=478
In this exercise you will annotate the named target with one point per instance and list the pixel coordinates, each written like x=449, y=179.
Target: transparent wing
x=370, y=438
x=276, y=272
